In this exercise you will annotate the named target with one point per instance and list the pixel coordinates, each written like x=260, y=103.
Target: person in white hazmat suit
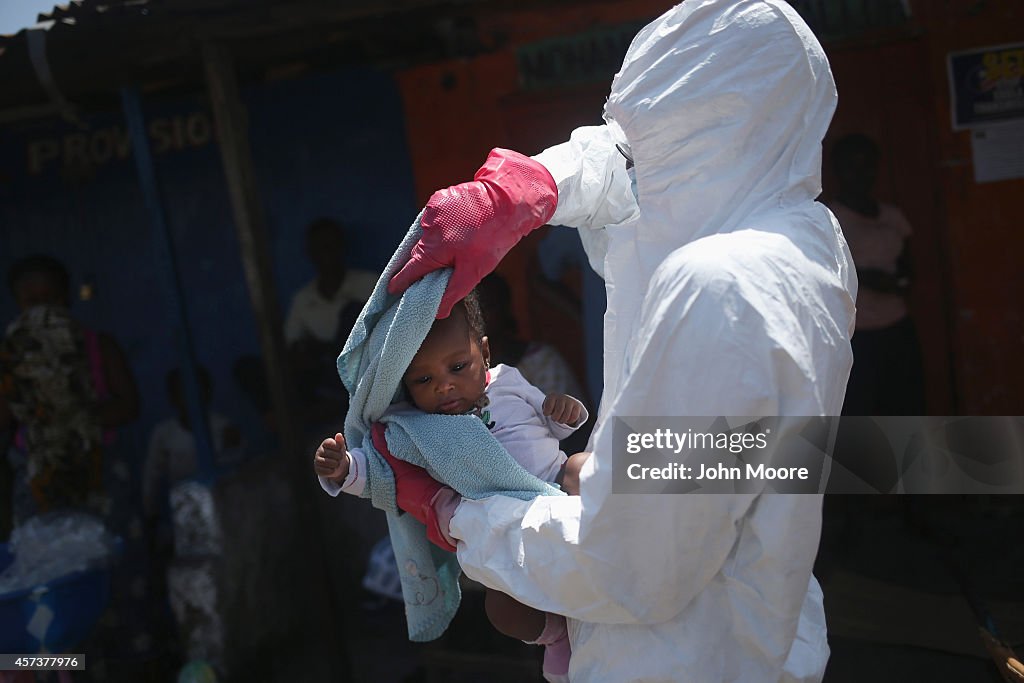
x=730, y=292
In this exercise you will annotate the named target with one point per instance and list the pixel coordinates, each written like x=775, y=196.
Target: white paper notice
x=998, y=152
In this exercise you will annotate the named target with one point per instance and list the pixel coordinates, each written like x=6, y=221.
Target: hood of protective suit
x=722, y=106
x=723, y=115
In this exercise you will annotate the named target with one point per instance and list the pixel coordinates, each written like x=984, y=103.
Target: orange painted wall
x=968, y=284
x=457, y=110
x=882, y=95
x=984, y=221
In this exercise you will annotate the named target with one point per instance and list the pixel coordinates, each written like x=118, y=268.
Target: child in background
x=182, y=528
x=450, y=375
x=172, y=446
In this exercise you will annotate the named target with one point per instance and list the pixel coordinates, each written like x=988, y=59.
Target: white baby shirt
x=515, y=417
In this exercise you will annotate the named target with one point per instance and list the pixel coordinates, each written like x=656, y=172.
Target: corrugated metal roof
x=83, y=17
x=96, y=46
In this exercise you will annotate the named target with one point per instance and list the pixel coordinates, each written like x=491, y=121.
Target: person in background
x=887, y=378
x=185, y=542
x=559, y=253
x=318, y=322
x=63, y=387
x=172, y=447
x=319, y=319
x=66, y=389
x=541, y=364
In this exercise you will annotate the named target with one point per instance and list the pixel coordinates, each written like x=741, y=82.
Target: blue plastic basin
x=76, y=601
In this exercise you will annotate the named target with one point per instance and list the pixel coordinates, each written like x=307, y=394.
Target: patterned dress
x=45, y=378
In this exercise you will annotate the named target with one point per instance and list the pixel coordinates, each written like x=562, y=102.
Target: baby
x=450, y=375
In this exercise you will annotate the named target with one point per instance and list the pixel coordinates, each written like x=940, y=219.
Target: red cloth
x=415, y=490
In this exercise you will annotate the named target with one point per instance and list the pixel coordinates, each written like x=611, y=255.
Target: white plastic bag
x=53, y=545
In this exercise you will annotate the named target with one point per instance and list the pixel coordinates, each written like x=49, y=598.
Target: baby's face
x=449, y=372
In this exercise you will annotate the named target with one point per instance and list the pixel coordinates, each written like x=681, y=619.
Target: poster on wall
x=998, y=152
x=987, y=90
x=987, y=85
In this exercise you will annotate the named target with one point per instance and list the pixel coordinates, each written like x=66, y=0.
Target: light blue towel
x=456, y=449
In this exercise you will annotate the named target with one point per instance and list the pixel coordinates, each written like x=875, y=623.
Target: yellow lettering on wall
x=1013, y=61
x=122, y=142
x=1005, y=64
x=179, y=133
x=198, y=129
x=160, y=134
x=100, y=146
x=40, y=152
x=76, y=147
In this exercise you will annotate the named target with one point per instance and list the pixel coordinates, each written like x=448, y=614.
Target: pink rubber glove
x=416, y=491
x=471, y=226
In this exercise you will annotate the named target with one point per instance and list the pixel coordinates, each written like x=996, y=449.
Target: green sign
x=596, y=55
x=588, y=57
x=837, y=19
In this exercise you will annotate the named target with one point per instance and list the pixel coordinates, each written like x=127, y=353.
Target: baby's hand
x=563, y=409
x=331, y=459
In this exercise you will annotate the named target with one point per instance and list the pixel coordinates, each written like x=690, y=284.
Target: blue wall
x=327, y=145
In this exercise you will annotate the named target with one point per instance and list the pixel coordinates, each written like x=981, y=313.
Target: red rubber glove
x=471, y=226
x=415, y=490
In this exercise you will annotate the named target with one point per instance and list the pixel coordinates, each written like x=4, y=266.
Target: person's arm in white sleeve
x=355, y=480
x=590, y=173
x=601, y=557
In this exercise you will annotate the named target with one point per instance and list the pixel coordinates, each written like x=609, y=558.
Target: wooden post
x=232, y=134
x=232, y=130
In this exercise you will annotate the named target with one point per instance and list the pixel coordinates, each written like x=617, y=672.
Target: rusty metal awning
x=93, y=47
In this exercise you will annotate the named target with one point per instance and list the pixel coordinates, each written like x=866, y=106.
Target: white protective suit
x=730, y=292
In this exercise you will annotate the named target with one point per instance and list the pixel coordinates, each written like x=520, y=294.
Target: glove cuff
x=526, y=183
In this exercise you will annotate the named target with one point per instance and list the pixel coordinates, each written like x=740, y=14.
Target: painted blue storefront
x=330, y=145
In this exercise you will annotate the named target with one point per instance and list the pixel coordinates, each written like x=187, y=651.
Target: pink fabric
x=92, y=350
x=445, y=503
x=99, y=377
x=876, y=243
x=554, y=630
x=557, y=651
x=415, y=490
